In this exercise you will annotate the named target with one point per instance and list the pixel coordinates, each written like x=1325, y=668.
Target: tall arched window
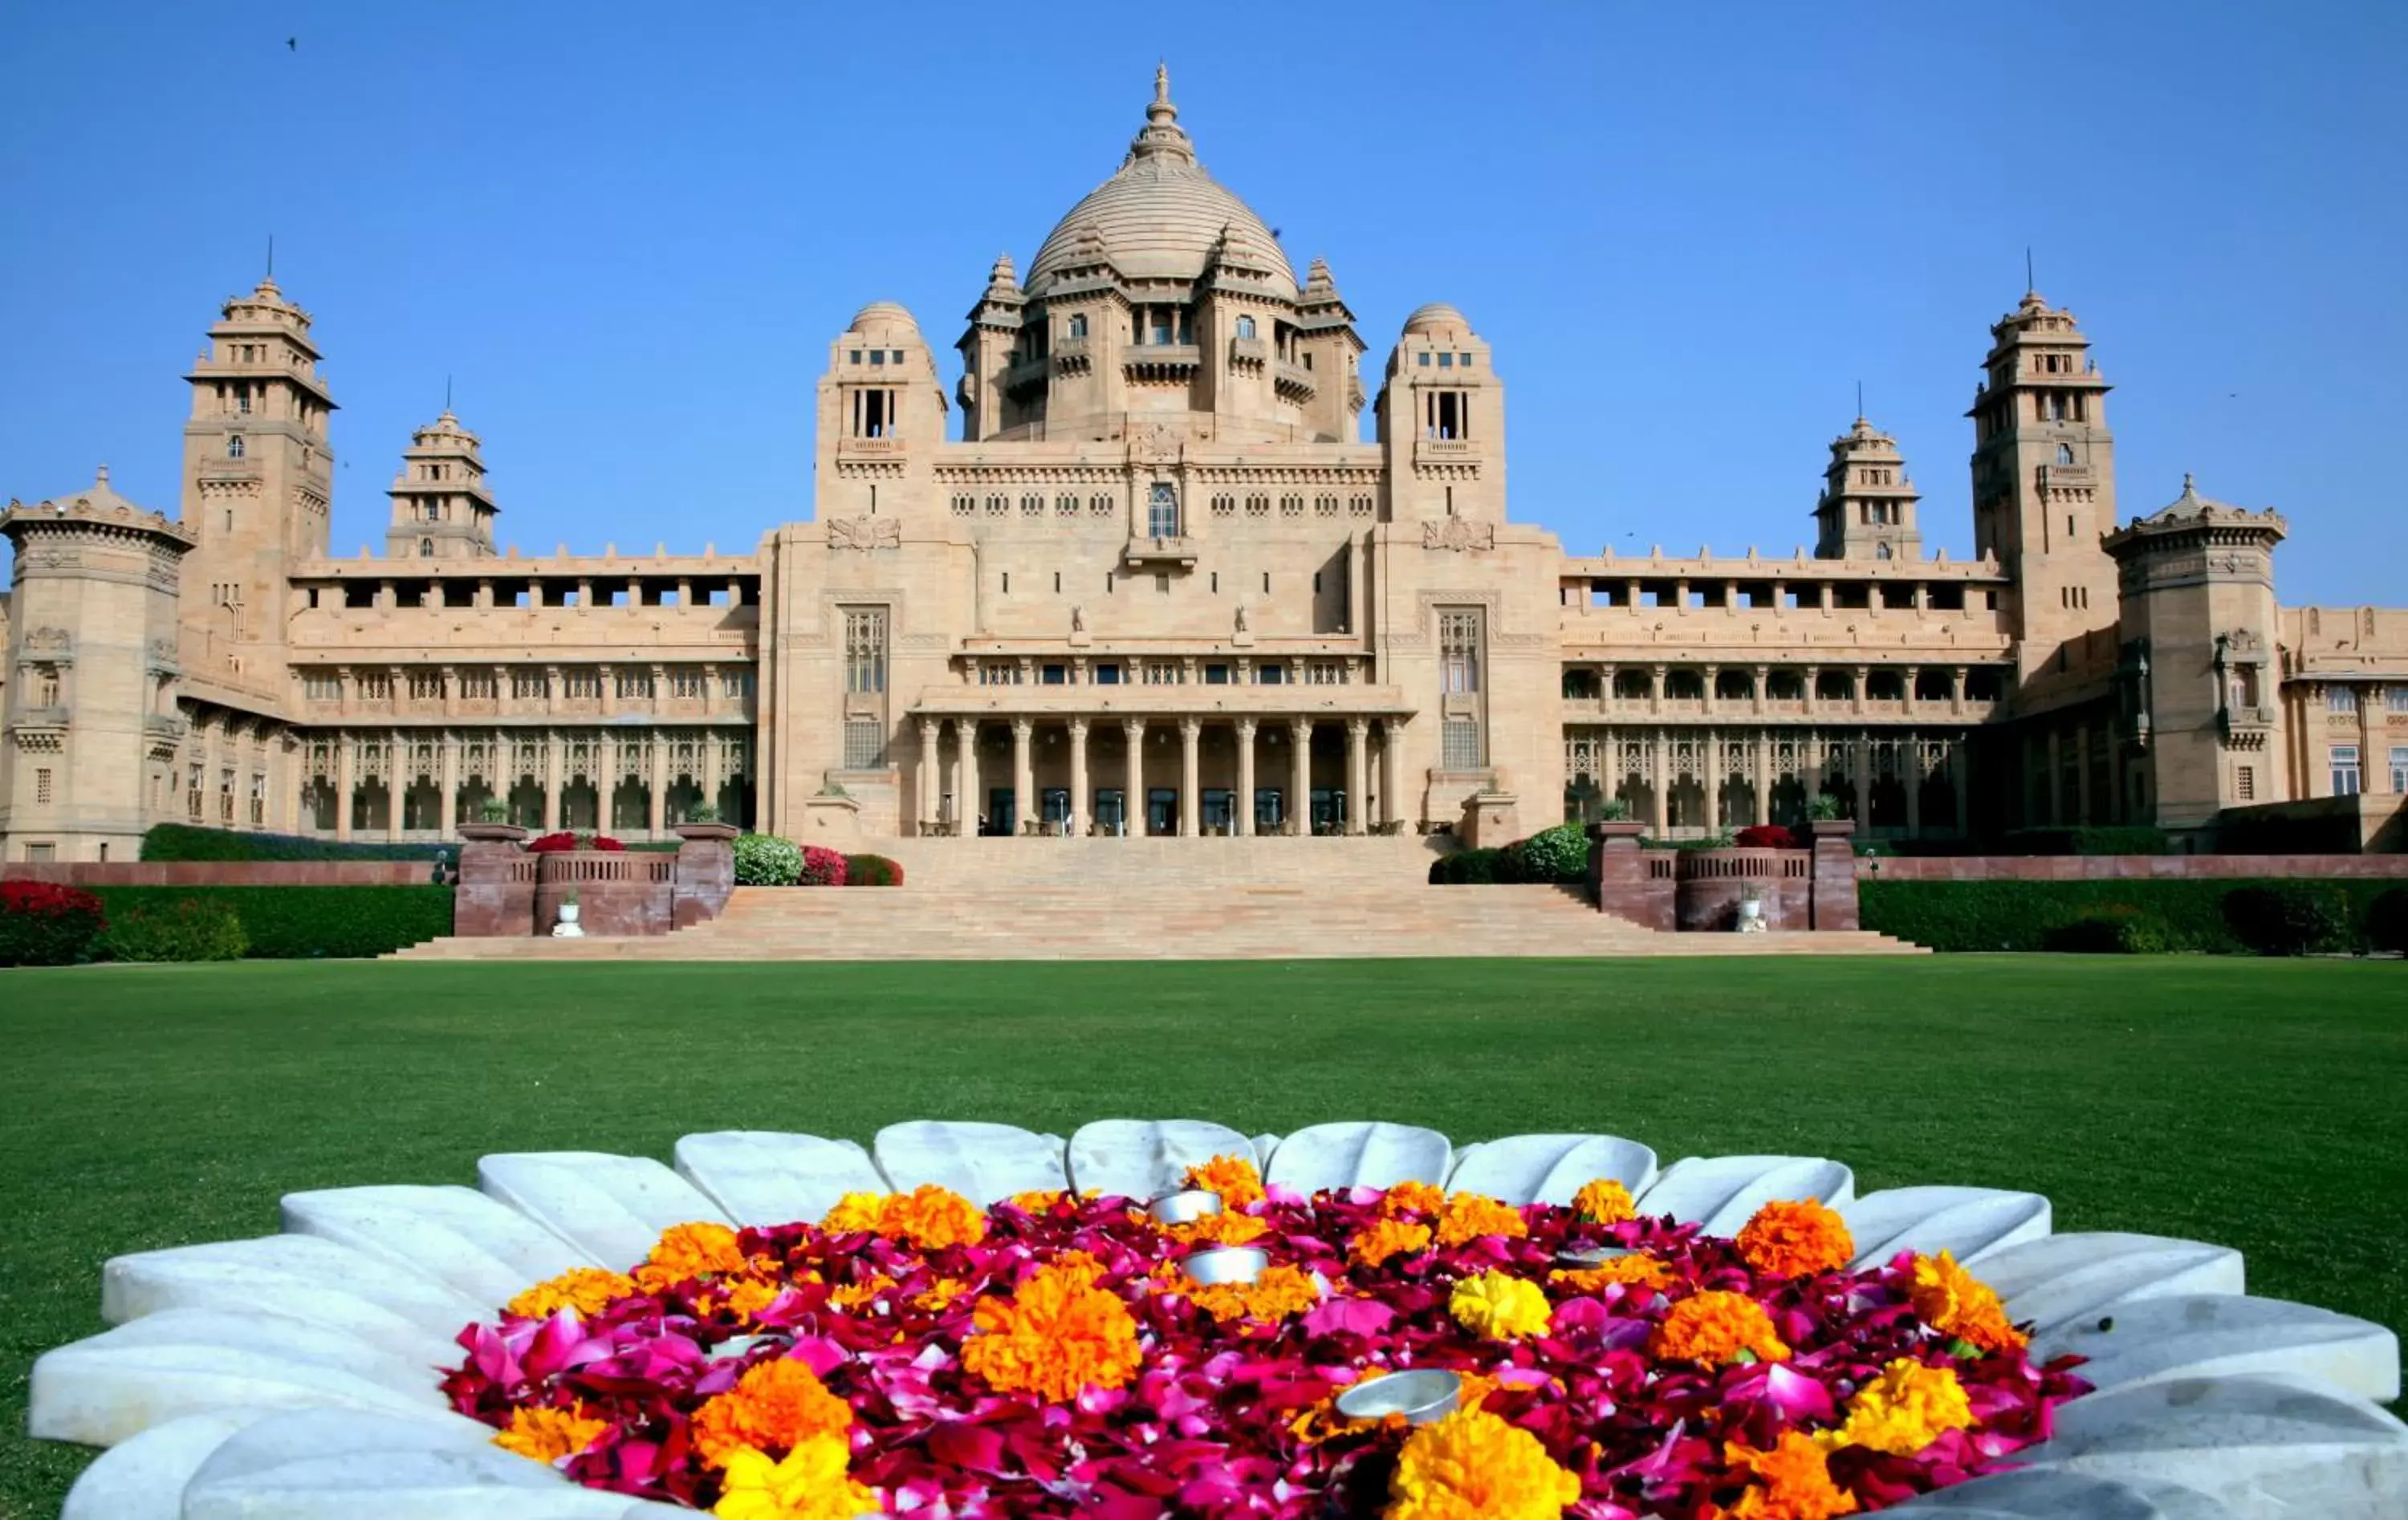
x=1245, y=327
x=233, y=446
x=1079, y=325
x=425, y=549
x=2065, y=453
x=1162, y=511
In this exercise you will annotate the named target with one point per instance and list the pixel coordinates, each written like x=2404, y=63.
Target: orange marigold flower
x=855, y=1214
x=1906, y=1408
x=939, y=1296
x=931, y=1218
x=1474, y=1466
x=1274, y=1295
x=589, y=1290
x=810, y=1483
x=1634, y=1270
x=1954, y=1301
x=1058, y=1334
x=1713, y=1327
x=1220, y=1229
x=1468, y=1216
x=1412, y=1197
x=1601, y=1200
x=1792, y=1481
x=1384, y=1238
x=1234, y=1177
x=547, y=1435
x=748, y=1296
x=686, y=1251
x=775, y=1406
x=854, y=1294
x=1796, y=1239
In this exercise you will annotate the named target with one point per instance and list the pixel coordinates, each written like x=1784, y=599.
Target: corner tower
x=256, y=485
x=2044, y=482
x=440, y=507
x=1441, y=422
x=1867, y=508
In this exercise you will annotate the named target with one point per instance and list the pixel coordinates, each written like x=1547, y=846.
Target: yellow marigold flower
x=589, y=1290
x=810, y=1484
x=931, y=1218
x=1039, y=1200
x=939, y=1296
x=776, y=1405
x=748, y=1296
x=854, y=1294
x=1904, y=1410
x=1274, y=1295
x=1796, y=1239
x=1234, y=1177
x=686, y=1251
x=1601, y=1200
x=1954, y=1301
x=1468, y=1216
x=1220, y=1229
x=1793, y=1482
x=547, y=1435
x=1384, y=1238
x=1058, y=1334
x=1473, y=1466
x=1639, y=1271
x=853, y=1214
x=1499, y=1305
x=1713, y=1327
x=1412, y=1197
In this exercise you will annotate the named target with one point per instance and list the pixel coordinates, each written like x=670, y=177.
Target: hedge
x=182, y=841
x=2120, y=839
x=2196, y=914
x=307, y=923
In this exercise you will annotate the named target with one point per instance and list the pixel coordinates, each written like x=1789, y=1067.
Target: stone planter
x=706, y=831
x=1818, y=830
x=492, y=833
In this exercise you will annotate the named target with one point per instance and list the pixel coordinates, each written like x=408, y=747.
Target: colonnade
x=534, y=770
x=1657, y=763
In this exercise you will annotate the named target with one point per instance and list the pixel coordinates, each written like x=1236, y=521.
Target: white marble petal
x=1143, y=1159
x=983, y=1162
x=1264, y=1146
x=1720, y=1191
x=2053, y=1282
x=1971, y=1223
x=1360, y=1154
x=2268, y=1445
x=1550, y=1169
x=302, y=1277
x=612, y=1207
x=458, y=1235
x=764, y=1177
x=2228, y=1335
x=2062, y=1495
x=143, y=1477
x=325, y=1465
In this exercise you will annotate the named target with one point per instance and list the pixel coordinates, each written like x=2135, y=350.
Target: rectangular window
x=427, y=686
x=2341, y=699
x=479, y=688
x=635, y=685
x=582, y=685
x=376, y=687
x=1458, y=643
x=1107, y=675
x=1459, y=745
x=865, y=744
x=736, y=684
x=1053, y=675
x=2396, y=699
x=1164, y=673
x=319, y=688
x=686, y=683
x=529, y=685
x=2399, y=767
x=42, y=783
x=40, y=855
x=1216, y=675
x=865, y=650
x=2345, y=775
x=1270, y=675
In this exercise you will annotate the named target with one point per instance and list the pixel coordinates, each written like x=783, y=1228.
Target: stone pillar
x=1763, y=689
x=2055, y=782
x=927, y=789
x=1713, y=674
x=710, y=761
x=1023, y=780
x=606, y=760
x=1358, y=775
x=1392, y=767
x=1833, y=889
x=1133, y=798
x=1659, y=745
x=346, y=780
x=1864, y=675
x=397, y=785
x=1191, y=811
x=448, y=783
x=1655, y=689
x=1763, y=769
x=1809, y=761
x=1862, y=748
x=970, y=799
x=1958, y=758
x=1300, y=802
x=1913, y=768
x=1622, y=878
x=1078, y=778
x=1957, y=690
x=1243, y=819
x=656, y=815
x=551, y=762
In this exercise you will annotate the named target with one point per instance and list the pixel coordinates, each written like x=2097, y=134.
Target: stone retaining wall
x=506, y=892
x=1700, y=890
x=2125, y=868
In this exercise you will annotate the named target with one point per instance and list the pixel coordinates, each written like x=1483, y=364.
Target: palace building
x=1141, y=571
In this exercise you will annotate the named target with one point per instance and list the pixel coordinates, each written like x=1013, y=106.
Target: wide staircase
x=1156, y=899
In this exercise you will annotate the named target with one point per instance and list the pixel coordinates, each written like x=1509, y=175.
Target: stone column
x=1763, y=767
x=970, y=799
x=606, y=760
x=1392, y=764
x=1763, y=689
x=1864, y=674
x=1243, y=821
x=656, y=815
x=1957, y=761
x=2081, y=774
x=927, y=789
x=448, y=783
x=1300, y=802
x=1133, y=796
x=1810, y=763
x=551, y=762
x=1864, y=773
x=709, y=759
x=397, y=785
x=1914, y=786
x=1660, y=757
x=1191, y=811
x=1655, y=689
x=1957, y=690
x=1023, y=780
x=1358, y=775
x=1713, y=674
x=2056, y=781
x=1078, y=778
x=346, y=780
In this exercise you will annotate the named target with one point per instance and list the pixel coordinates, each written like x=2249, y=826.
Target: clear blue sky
x=629, y=233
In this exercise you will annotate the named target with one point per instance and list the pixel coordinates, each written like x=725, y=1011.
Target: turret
x=1441, y=421
x=1867, y=508
x=440, y=507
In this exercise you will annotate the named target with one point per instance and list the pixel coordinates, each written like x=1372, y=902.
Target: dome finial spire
x=1162, y=82
x=1162, y=136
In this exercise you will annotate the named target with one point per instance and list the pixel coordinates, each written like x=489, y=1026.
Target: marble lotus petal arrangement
x=963, y=1319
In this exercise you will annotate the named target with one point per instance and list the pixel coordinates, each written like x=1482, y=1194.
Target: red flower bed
x=1049, y=1357
x=1766, y=836
x=821, y=867
x=43, y=923
x=550, y=843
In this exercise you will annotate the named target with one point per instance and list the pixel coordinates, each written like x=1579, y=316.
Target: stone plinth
x=1491, y=819
x=497, y=891
x=1835, y=874
x=1633, y=884
x=706, y=873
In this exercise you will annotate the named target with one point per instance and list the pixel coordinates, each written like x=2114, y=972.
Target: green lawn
x=2257, y=1103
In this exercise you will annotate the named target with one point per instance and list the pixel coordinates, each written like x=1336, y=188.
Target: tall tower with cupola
x=2045, y=485
x=1867, y=508
x=440, y=507
x=1441, y=417
x=257, y=486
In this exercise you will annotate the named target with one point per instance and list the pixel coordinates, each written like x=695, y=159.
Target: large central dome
x=1160, y=217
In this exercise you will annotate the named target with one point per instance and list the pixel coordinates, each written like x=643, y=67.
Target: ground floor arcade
x=631, y=781
x=1899, y=782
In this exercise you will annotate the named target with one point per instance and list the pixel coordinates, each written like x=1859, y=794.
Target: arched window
x=233, y=446
x=1245, y=327
x=2065, y=453
x=1881, y=552
x=1162, y=511
x=425, y=549
x=1079, y=325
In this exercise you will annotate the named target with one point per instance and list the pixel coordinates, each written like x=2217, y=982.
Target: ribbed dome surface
x=1161, y=214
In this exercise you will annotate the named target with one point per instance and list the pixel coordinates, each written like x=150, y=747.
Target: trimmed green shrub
x=1552, y=854
x=2386, y=921
x=2289, y=918
x=872, y=870
x=308, y=923
x=2028, y=915
x=2122, y=840
x=1719, y=840
x=188, y=929
x=767, y=860
x=1475, y=868
x=2114, y=929
x=183, y=841
x=42, y=924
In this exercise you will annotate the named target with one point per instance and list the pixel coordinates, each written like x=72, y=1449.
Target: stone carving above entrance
x=864, y=532
x=1459, y=535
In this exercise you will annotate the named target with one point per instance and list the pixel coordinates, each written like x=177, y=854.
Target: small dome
x=884, y=317
x=1438, y=314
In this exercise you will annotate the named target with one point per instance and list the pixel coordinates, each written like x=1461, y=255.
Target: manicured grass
x=2255, y=1103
